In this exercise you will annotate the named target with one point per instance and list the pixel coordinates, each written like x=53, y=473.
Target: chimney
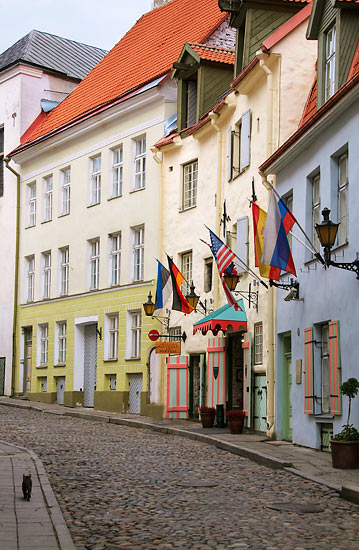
x=158, y=3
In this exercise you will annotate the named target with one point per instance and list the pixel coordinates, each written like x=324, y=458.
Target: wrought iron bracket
x=349, y=266
x=252, y=297
x=285, y=286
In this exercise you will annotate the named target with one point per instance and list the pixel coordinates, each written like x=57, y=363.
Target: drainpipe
x=271, y=374
x=158, y=158
x=214, y=117
x=17, y=241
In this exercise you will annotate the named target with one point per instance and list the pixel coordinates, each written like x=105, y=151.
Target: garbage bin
x=220, y=416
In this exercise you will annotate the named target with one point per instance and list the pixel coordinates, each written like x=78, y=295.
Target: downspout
x=271, y=296
x=158, y=158
x=214, y=117
x=17, y=242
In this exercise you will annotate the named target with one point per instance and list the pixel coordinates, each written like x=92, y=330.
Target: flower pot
x=236, y=422
x=207, y=418
x=345, y=454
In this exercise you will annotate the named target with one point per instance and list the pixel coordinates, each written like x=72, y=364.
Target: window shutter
x=192, y=102
x=334, y=368
x=308, y=371
x=245, y=155
x=242, y=242
x=229, y=154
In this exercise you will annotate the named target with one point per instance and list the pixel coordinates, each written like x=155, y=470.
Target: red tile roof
x=214, y=53
x=147, y=51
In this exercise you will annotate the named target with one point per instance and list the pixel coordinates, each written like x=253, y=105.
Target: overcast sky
x=98, y=23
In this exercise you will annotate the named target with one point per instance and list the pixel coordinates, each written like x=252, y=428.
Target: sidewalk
x=34, y=525
x=302, y=461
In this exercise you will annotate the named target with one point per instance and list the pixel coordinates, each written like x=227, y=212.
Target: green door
x=260, y=403
x=287, y=399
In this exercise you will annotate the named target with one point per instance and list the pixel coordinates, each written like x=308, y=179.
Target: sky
x=100, y=24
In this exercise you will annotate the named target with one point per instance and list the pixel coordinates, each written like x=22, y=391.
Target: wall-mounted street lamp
x=232, y=280
x=149, y=306
x=327, y=233
x=195, y=302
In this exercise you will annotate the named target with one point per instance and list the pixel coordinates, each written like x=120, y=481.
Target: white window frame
x=258, y=343
x=329, y=62
x=31, y=196
x=95, y=180
x=115, y=259
x=117, y=172
x=46, y=263
x=61, y=342
x=64, y=270
x=65, y=191
x=48, y=191
x=343, y=184
x=139, y=163
x=190, y=184
x=175, y=334
x=43, y=344
x=94, y=264
x=134, y=331
x=30, y=278
x=186, y=270
x=112, y=352
x=315, y=188
x=138, y=253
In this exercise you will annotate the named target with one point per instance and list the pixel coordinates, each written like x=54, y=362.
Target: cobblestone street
x=127, y=488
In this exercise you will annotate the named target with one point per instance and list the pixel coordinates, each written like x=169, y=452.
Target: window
x=43, y=380
x=175, y=334
x=140, y=163
x=112, y=380
x=31, y=194
x=117, y=169
x=258, y=344
x=2, y=148
x=135, y=334
x=94, y=264
x=239, y=146
x=113, y=337
x=48, y=198
x=343, y=199
x=64, y=271
x=115, y=258
x=96, y=180
x=190, y=177
x=138, y=253
x=315, y=209
x=46, y=258
x=65, y=191
x=208, y=274
x=30, y=276
x=329, y=70
x=190, y=88
x=44, y=343
x=61, y=341
x=186, y=268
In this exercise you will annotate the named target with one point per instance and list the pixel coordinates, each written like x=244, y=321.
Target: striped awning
x=223, y=318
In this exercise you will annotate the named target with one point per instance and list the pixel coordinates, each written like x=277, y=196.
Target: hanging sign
x=168, y=347
x=153, y=335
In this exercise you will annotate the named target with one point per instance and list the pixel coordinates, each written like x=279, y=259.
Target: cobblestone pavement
x=125, y=488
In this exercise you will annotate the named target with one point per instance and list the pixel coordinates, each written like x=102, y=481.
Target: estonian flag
x=164, y=286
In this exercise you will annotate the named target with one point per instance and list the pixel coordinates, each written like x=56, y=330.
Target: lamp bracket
x=349, y=266
x=252, y=297
x=285, y=286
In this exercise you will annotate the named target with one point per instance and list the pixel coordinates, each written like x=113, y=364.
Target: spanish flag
x=259, y=220
x=179, y=301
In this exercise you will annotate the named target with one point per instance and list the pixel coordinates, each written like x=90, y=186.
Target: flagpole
x=301, y=242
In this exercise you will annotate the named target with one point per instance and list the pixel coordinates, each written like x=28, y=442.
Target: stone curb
x=320, y=480
x=57, y=519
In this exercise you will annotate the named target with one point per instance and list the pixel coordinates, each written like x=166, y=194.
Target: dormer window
x=330, y=62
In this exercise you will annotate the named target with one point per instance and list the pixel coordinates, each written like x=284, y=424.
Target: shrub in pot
x=345, y=444
x=207, y=416
x=235, y=419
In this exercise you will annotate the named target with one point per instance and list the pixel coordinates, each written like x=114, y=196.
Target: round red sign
x=153, y=335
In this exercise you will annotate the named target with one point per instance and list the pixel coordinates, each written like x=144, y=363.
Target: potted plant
x=345, y=444
x=207, y=416
x=235, y=419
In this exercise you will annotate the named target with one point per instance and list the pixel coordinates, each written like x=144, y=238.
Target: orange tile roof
x=214, y=53
x=354, y=68
x=147, y=51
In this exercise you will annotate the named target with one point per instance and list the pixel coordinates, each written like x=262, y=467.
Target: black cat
x=26, y=486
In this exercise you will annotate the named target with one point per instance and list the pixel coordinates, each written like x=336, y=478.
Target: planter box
x=345, y=454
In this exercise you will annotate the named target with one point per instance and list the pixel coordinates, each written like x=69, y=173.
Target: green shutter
x=334, y=368
x=308, y=371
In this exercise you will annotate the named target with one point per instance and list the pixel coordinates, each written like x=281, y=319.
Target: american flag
x=222, y=254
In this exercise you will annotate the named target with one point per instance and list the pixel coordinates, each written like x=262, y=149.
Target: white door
x=154, y=375
x=135, y=393
x=60, y=389
x=90, y=364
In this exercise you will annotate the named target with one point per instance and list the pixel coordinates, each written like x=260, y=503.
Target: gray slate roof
x=52, y=52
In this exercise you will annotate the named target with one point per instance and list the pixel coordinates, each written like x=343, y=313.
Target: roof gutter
x=16, y=273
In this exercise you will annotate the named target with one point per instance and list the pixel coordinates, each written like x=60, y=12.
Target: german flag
x=179, y=301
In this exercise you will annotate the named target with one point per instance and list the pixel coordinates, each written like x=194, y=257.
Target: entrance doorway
x=27, y=361
x=287, y=389
x=260, y=403
x=134, y=406
x=60, y=389
x=234, y=371
x=194, y=386
x=90, y=364
x=2, y=375
x=153, y=377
